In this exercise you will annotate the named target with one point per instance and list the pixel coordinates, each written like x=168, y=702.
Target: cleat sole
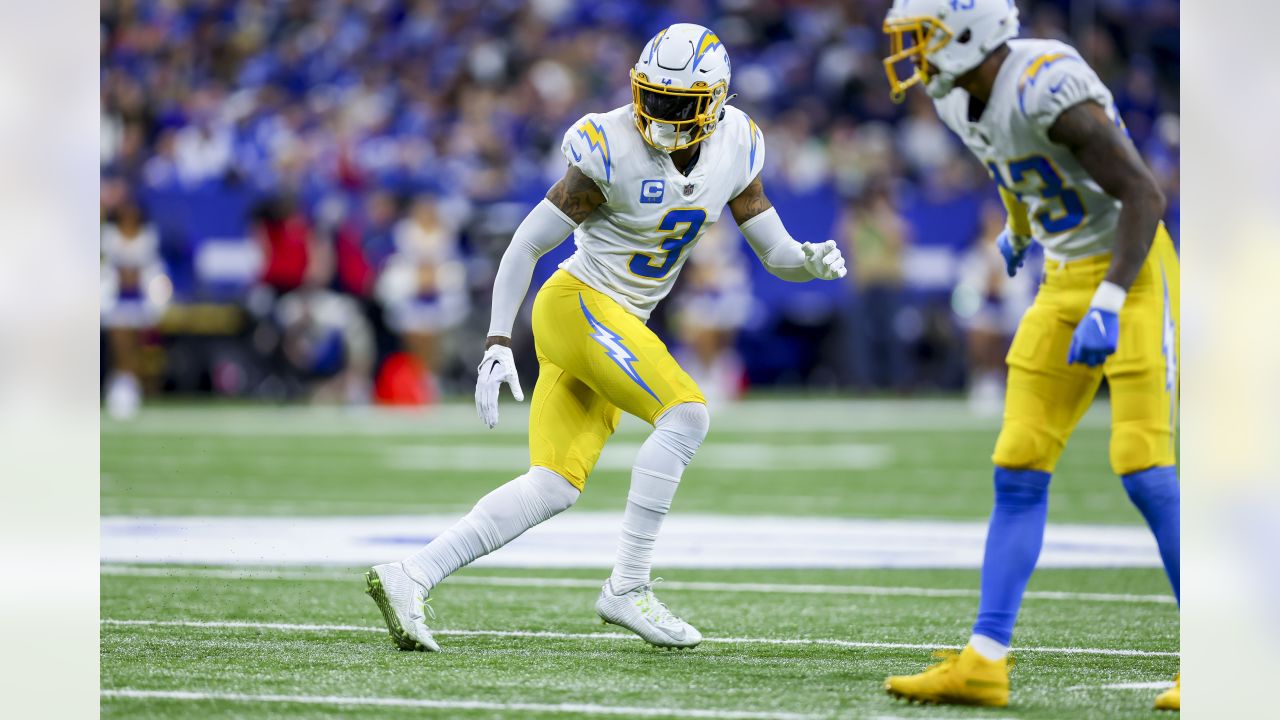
x=373, y=588
x=922, y=701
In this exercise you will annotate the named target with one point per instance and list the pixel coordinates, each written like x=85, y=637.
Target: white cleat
x=641, y=612
x=403, y=603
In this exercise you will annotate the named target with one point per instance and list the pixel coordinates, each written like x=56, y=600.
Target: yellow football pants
x=1046, y=397
x=595, y=360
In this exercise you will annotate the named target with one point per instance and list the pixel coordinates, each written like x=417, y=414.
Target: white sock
x=988, y=648
x=499, y=517
x=676, y=436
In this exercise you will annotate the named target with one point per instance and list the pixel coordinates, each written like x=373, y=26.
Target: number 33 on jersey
x=633, y=246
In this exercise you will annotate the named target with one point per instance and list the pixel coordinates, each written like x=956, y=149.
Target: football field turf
x=241, y=639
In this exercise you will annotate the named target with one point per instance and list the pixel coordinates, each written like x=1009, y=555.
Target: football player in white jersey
x=1047, y=129
x=644, y=182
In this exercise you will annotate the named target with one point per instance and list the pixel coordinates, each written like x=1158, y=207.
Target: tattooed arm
x=778, y=252
x=568, y=203
x=750, y=202
x=576, y=195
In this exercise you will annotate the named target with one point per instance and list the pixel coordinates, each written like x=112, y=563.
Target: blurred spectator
x=876, y=236
x=327, y=345
x=989, y=305
x=202, y=149
x=423, y=286
x=713, y=302
x=363, y=241
x=284, y=236
x=135, y=290
x=209, y=107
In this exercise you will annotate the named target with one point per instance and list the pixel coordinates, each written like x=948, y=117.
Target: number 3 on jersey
x=1068, y=209
x=646, y=265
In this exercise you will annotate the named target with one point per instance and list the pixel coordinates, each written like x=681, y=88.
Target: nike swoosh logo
x=576, y=156
x=1057, y=86
x=1097, y=318
x=677, y=637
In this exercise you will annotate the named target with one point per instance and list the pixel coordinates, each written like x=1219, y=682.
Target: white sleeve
x=544, y=228
x=778, y=251
x=1055, y=82
x=586, y=146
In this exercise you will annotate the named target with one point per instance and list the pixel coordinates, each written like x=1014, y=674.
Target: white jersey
x=1071, y=216
x=138, y=252
x=632, y=247
x=139, y=302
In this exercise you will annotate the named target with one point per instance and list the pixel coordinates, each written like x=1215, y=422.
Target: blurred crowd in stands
x=307, y=198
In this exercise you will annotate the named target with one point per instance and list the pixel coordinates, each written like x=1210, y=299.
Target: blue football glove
x=1095, y=338
x=1013, y=248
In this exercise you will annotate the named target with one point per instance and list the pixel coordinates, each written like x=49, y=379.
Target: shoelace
x=653, y=608
x=427, y=610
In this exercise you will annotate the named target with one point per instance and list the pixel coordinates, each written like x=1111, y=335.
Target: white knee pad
x=682, y=429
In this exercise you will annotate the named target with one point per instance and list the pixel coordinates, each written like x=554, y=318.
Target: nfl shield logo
x=688, y=189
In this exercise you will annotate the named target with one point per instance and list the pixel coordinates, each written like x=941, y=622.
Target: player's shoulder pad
x=592, y=144
x=749, y=138
x=1056, y=78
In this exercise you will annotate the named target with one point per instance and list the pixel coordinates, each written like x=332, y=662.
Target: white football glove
x=497, y=367
x=823, y=260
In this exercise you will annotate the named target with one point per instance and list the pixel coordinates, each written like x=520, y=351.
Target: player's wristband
x=1109, y=297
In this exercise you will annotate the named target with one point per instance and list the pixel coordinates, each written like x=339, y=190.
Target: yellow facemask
x=695, y=110
x=912, y=39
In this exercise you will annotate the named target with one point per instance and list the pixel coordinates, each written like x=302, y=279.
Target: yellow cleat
x=964, y=678
x=1171, y=699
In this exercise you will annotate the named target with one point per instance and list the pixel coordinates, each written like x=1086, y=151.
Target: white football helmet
x=943, y=39
x=679, y=86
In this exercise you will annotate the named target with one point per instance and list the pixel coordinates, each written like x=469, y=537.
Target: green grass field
x=251, y=641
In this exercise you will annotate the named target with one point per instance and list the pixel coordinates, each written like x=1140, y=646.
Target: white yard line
x=587, y=539
x=353, y=701
x=830, y=642
x=546, y=582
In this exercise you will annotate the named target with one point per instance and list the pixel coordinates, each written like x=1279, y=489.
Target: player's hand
x=1013, y=248
x=497, y=367
x=1095, y=338
x=823, y=260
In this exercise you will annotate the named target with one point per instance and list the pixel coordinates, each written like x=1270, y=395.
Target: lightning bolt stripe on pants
x=612, y=344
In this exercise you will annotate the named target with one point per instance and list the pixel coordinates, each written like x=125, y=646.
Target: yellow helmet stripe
x=653, y=47
x=708, y=42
